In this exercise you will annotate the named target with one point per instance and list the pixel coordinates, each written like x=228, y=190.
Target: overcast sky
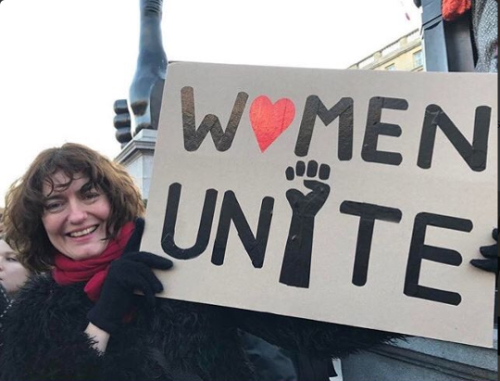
x=63, y=62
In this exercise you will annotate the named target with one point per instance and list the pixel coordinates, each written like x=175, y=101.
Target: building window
x=391, y=67
x=418, y=59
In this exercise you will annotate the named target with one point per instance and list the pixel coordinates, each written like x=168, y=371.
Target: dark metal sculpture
x=142, y=109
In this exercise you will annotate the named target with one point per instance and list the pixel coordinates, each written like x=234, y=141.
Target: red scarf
x=93, y=270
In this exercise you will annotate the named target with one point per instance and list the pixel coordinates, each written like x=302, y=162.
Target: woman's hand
x=132, y=272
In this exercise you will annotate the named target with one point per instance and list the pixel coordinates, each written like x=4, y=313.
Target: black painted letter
x=419, y=251
x=314, y=107
x=207, y=215
x=375, y=128
x=254, y=246
x=368, y=213
x=474, y=155
x=222, y=139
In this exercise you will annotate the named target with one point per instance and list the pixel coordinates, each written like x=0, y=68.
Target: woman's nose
x=77, y=212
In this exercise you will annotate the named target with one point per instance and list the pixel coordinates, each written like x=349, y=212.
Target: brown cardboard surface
x=252, y=171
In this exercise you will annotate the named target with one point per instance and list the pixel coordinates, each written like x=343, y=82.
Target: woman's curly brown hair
x=25, y=200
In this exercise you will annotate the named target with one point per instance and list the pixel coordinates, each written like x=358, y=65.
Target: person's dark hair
x=25, y=200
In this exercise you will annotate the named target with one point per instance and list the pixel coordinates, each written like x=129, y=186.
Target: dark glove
x=489, y=264
x=127, y=274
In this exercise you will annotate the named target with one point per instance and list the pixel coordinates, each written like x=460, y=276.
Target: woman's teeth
x=81, y=233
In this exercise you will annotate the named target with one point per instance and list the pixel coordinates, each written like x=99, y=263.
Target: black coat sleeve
x=44, y=338
x=317, y=339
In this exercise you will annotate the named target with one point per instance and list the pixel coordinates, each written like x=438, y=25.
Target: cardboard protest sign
x=352, y=197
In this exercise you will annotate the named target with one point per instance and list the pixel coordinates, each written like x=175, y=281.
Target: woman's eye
x=12, y=259
x=91, y=195
x=53, y=206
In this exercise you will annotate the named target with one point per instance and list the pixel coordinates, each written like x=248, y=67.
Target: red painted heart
x=270, y=120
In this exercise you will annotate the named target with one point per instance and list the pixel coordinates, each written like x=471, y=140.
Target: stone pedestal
x=137, y=158
x=420, y=359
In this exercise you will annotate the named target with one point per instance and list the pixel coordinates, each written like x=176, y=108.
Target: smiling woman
x=77, y=214
x=75, y=217
x=66, y=191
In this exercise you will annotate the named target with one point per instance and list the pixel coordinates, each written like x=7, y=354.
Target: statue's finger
x=121, y=120
x=123, y=135
x=120, y=106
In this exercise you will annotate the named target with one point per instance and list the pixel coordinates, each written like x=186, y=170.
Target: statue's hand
x=142, y=110
x=122, y=121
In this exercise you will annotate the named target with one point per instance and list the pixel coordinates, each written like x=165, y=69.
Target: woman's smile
x=82, y=233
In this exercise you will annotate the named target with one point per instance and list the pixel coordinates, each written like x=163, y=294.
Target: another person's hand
x=132, y=272
x=490, y=263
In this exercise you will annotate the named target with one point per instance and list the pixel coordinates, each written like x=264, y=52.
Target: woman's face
x=75, y=217
x=12, y=274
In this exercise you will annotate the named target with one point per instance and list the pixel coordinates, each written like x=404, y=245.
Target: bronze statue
x=142, y=109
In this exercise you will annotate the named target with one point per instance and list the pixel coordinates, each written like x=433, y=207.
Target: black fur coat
x=44, y=339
